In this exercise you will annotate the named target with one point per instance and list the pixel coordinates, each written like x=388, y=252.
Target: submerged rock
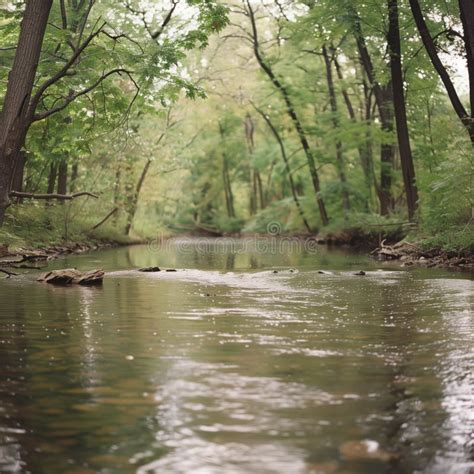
x=365, y=449
x=171, y=270
x=360, y=273
x=150, y=269
x=72, y=275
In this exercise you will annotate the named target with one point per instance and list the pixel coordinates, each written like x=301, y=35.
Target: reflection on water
x=228, y=367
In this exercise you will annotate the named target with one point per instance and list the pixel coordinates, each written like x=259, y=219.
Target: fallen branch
x=110, y=214
x=62, y=197
x=9, y=274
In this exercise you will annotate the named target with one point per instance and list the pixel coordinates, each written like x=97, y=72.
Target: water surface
x=228, y=367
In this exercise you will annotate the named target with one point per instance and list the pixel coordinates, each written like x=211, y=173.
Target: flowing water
x=227, y=366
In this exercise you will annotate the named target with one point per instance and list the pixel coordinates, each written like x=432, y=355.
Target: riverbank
x=27, y=249
x=410, y=254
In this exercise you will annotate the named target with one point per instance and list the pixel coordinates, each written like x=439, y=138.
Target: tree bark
x=15, y=117
x=383, y=97
x=335, y=122
x=62, y=177
x=74, y=176
x=364, y=147
x=467, y=18
x=134, y=201
x=466, y=8
x=18, y=175
x=229, y=197
x=406, y=159
x=293, y=116
x=53, y=172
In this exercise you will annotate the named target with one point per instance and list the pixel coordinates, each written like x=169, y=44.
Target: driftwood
x=71, y=275
x=9, y=274
x=61, y=197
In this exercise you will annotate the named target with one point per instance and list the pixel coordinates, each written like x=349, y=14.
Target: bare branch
x=62, y=72
x=74, y=95
x=61, y=197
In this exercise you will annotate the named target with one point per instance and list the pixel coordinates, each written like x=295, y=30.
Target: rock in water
x=171, y=270
x=92, y=277
x=72, y=275
x=365, y=449
x=150, y=269
x=360, y=273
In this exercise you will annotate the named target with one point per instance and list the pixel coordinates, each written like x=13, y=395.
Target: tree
x=467, y=19
x=404, y=147
x=291, y=111
x=17, y=115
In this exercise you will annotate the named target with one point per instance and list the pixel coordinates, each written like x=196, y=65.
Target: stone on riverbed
x=150, y=269
x=70, y=276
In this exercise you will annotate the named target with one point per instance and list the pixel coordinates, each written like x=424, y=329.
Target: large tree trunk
x=467, y=18
x=386, y=153
x=406, y=158
x=383, y=99
x=335, y=122
x=15, y=117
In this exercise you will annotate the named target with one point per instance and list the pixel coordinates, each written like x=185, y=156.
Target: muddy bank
x=37, y=258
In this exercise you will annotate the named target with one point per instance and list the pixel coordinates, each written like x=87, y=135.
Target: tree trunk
x=466, y=8
x=406, y=158
x=15, y=118
x=74, y=176
x=53, y=171
x=18, y=175
x=383, y=97
x=293, y=116
x=364, y=147
x=287, y=167
x=229, y=198
x=249, y=132
x=467, y=18
x=134, y=201
x=335, y=123
x=386, y=153
x=62, y=177
x=261, y=197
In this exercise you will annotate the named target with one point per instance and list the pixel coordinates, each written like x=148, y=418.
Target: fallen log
x=8, y=273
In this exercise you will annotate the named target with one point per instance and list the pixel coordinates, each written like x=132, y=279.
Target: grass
x=39, y=224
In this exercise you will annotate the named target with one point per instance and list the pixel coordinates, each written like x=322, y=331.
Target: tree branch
x=74, y=95
x=61, y=197
x=62, y=72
